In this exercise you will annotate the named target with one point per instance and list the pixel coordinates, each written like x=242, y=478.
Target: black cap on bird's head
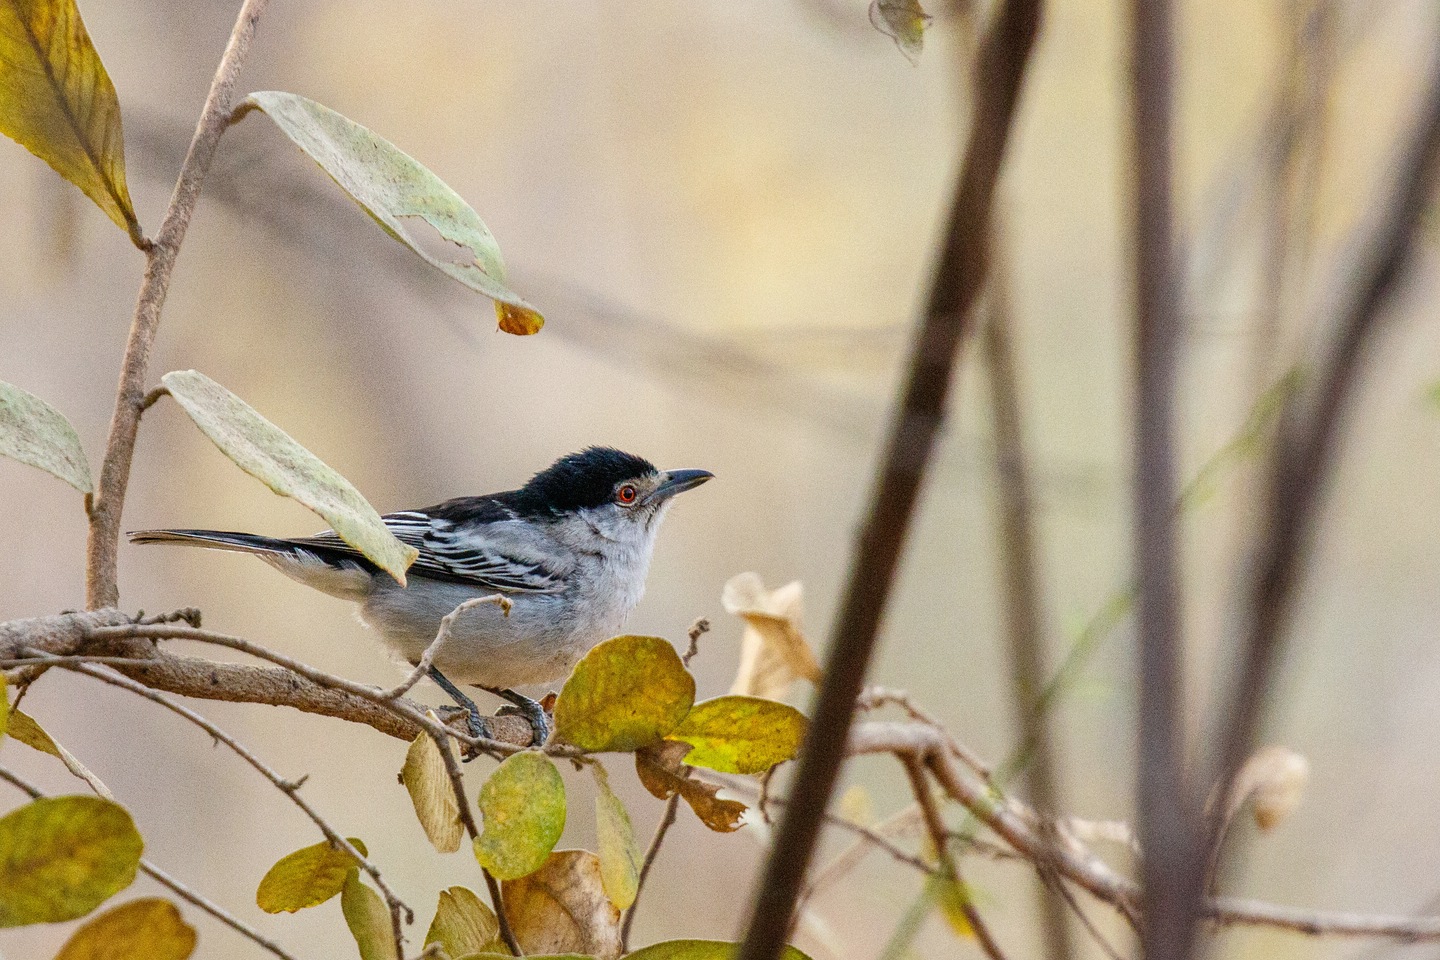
x=599, y=475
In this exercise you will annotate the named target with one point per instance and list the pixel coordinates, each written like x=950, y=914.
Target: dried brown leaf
x=562, y=908
x=664, y=775
x=774, y=652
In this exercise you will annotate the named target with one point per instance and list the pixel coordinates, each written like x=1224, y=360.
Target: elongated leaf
x=625, y=693
x=146, y=929
x=57, y=101
x=425, y=776
x=306, y=878
x=741, y=734
x=390, y=185
x=699, y=950
x=620, y=856
x=523, y=803
x=368, y=920
x=37, y=434
x=61, y=857
x=24, y=729
x=464, y=925
x=271, y=456
x=562, y=908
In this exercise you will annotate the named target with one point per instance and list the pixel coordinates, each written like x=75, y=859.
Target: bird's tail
x=215, y=540
x=317, y=566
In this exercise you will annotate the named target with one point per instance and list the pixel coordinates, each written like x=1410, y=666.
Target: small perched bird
x=569, y=550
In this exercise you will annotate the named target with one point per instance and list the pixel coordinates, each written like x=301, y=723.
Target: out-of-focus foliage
x=34, y=432
x=523, y=803
x=391, y=185
x=626, y=693
x=306, y=878
x=61, y=857
x=562, y=908
x=774, y=652
x=903, y=21
x=145, y=929
x=58, y=102
x=428, y=781
x=272, y=456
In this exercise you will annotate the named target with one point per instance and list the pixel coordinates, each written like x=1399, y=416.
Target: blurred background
x=728, y=213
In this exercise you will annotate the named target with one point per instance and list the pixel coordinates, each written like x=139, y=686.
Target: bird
x=569, y=551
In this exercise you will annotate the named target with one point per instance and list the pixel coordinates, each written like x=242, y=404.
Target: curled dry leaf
x=145, y=929
x=24, y=729
x=368, y=920
x=523, y=803
x=61, y=857
x=37, y=434
x=773, y=651
x=428, y=782
x=306, y=878
x=903, y=21
x=1274, y=778
x=620, y=856
x=624, y=694
x=562, y=908
x=464, y=925
x=57, y=101
x=663, y=773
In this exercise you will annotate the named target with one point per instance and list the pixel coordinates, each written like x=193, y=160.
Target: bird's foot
x=531, y=710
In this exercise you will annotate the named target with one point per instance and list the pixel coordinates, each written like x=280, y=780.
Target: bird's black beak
x=678, y=481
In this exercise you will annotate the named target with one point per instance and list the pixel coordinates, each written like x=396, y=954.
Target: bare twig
x=428, y=657
x=1057, y=884
x=506, y=933
x=960, y=274
x=101, y=581
x=697, y=630
x=667, y=820
x=849, y=858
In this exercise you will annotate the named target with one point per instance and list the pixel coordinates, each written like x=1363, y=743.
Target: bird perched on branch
x=569, y=550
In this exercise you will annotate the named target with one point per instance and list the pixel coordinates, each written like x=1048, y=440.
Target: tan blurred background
x=727, y=211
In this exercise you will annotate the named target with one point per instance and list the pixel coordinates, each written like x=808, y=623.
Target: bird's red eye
x=626, y=494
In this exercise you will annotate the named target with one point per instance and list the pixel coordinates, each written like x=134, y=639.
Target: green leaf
x=368, y=920
x=306, y=878
x=699, y=950
x=433, y=795
x=391, y=185
x=523, y=803
x=620, y=856
x=34, y=432
x=625, y=693
x=562, y=908
x=953, y=897
x=271, y=456
x=61, y=857
x=57, y=101
x=741, y=734
x=464, y=925
x=903, y=21
x=146, y=929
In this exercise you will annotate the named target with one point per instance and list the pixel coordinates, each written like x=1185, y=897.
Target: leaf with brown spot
x=663, y=774
x=145, y=929
x=562, y=908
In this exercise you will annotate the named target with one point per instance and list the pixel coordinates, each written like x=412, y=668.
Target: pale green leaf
x=562, y=908
x=624, y=694
x=57, y=101
x=699, y=950
x=737, y=734
x=146, y=929
x=306, y=878
x=37, y=434
x=271, y=456
x=433, y=795
x=391, y=185
x=61, y=857
x=903, y=21
x=368, y=920
x=620, y=855
x=523, y=803
x=464, y=924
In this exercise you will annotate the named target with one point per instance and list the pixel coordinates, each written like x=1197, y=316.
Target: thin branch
x=960, y=274
x=697, y=630
x=1056, y=884
x=849, y=858
x=672, y=807
x=102, y=587
x=506, y=933
x=422, y=667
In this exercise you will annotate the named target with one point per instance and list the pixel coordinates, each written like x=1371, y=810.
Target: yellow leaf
x=699, y=950
x=562, y=908
x=146, y=929
x=61, y=857
x=464, y=925
x=368, y=920
x=57, y=101
x=35, y=433
x=773, y=651
x=24, y=729
x=741, y=734
x=624, y=694
x=432, y=793
x=620, y=856
x=306, y=878
x=523, y=803
x=272, y=456
x=953, y=896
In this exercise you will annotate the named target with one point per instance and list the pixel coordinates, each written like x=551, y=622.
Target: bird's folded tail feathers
x=215, y=540
x=338, y=572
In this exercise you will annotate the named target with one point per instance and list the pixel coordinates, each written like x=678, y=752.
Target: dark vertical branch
x=1305, y=450
x=1172, y=870
x=1020, y=587
x=960, y=273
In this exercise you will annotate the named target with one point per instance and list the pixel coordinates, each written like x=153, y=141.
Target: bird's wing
x=456, y=553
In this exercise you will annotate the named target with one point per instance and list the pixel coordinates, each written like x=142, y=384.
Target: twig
x=697, y=630
x=422, y=667
x=960, y=274
x=1057, y=884
x=175, y=886
x=849, y=858
x=875, y=697
x=101, y=581
x=506, y=933
x=667, y=820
